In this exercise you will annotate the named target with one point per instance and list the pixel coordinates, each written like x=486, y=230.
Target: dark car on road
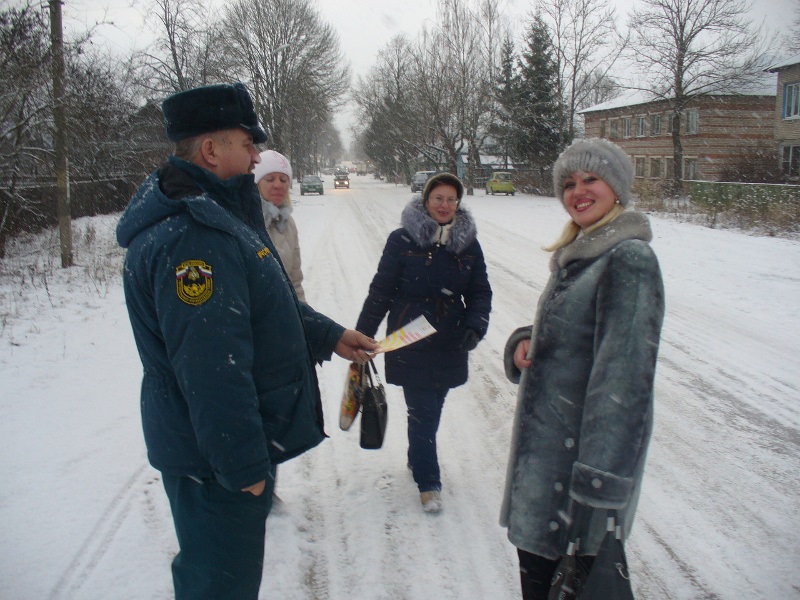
x=311, y=184
x=419, y=180
x=341, y=180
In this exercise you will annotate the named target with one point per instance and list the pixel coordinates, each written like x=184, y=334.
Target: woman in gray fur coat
x=586, y=368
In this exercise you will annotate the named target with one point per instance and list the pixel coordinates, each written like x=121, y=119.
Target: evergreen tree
x=505, y=96
x=538, y=118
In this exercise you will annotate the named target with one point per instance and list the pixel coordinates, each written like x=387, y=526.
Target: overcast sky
x=364, y=26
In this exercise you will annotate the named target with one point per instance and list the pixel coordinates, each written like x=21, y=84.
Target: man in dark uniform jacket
x=228, y=351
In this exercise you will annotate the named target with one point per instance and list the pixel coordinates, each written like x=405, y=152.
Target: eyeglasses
x=439, y=200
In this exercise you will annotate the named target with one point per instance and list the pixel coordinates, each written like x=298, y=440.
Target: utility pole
x=60, y=122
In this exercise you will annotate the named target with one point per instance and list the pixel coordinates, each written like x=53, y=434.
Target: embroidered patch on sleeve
x=193, y=282
x=263, y=253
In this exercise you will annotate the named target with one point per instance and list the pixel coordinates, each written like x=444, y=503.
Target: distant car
x=500, y=183
x=341, y=180
x=311, y=184
x=419, y=180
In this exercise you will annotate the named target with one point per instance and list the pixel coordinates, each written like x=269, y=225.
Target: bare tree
x=24, y=109
x=794, y=33
x=470, y=52
x=101, y=106
x=436, y=100
x=98, y=110
x=187, y=51
x=425, y=103
x=384, y=105
x=689, y=48
x=481, y=70
x=587, y=46
x=292, y=60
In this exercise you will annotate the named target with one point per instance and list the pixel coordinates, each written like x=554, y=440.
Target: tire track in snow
x=100, y=538
x=349, y=265
x=400, y=552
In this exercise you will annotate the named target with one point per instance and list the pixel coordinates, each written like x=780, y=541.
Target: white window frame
x=640, y=161
x=641, y=126
x=791, y=101
x=692, y=121
x=626, y=127
x=656, y=160
x=613, y=129
x=655, y=124
x=790, y=160
x=687, y=161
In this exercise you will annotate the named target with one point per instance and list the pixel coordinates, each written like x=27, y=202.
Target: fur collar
x=274, y=214
x=424, y=230
x=627, y=226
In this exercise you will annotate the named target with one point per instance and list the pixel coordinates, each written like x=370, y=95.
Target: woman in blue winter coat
x=585, y=404
x=432, y=266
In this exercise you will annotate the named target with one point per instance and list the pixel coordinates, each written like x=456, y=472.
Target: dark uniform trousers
x=221, y=538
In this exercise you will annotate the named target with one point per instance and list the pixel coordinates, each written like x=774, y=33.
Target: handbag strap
x=369, y=375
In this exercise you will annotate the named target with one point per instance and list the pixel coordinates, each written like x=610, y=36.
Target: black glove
x=470, y=340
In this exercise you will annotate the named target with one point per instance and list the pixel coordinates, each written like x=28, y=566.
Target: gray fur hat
x=440, y=179
x=595, y=155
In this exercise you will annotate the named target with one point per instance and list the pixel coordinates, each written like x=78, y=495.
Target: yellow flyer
x=408, y=334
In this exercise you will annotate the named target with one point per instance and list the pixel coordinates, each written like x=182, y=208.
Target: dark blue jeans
x=221, y=539
x=424, y=411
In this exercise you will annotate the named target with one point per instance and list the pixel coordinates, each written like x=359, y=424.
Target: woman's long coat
x=585, y=407
x=282, y=231
x=447, y=284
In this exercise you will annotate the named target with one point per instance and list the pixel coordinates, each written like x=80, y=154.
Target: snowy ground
x=83, y=516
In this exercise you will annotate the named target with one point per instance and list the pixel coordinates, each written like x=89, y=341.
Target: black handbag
x=569, y=576
x=374, y=411
x=609, y=578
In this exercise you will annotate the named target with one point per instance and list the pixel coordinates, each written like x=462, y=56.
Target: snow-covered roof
x=791, y=61
x=764, y=87
x=627, y=98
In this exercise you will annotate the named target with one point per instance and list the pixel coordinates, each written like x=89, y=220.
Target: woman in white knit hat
x=586, y=368
x=273, y=177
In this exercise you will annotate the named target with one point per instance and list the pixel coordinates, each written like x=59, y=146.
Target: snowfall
x=83, y=515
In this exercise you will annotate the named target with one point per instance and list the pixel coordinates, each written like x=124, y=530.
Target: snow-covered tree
x=586, y=46
x=538, y=115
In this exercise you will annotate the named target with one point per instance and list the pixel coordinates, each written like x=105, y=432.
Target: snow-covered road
x=83, y=517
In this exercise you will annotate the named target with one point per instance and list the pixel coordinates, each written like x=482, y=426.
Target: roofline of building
x=603, y=106
x=784, y=64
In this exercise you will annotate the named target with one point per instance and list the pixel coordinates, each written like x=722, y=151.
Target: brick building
x=786, y=115
x=717, y=132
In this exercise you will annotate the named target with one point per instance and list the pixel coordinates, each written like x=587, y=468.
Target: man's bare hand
x=521, y=355
x=355, y=346
x=257, y=488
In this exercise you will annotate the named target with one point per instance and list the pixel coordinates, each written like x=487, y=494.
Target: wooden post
x=60, y=123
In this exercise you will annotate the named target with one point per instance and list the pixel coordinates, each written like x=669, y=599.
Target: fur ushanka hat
x=441, y=179
x=595, y=155
x=211, y=108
